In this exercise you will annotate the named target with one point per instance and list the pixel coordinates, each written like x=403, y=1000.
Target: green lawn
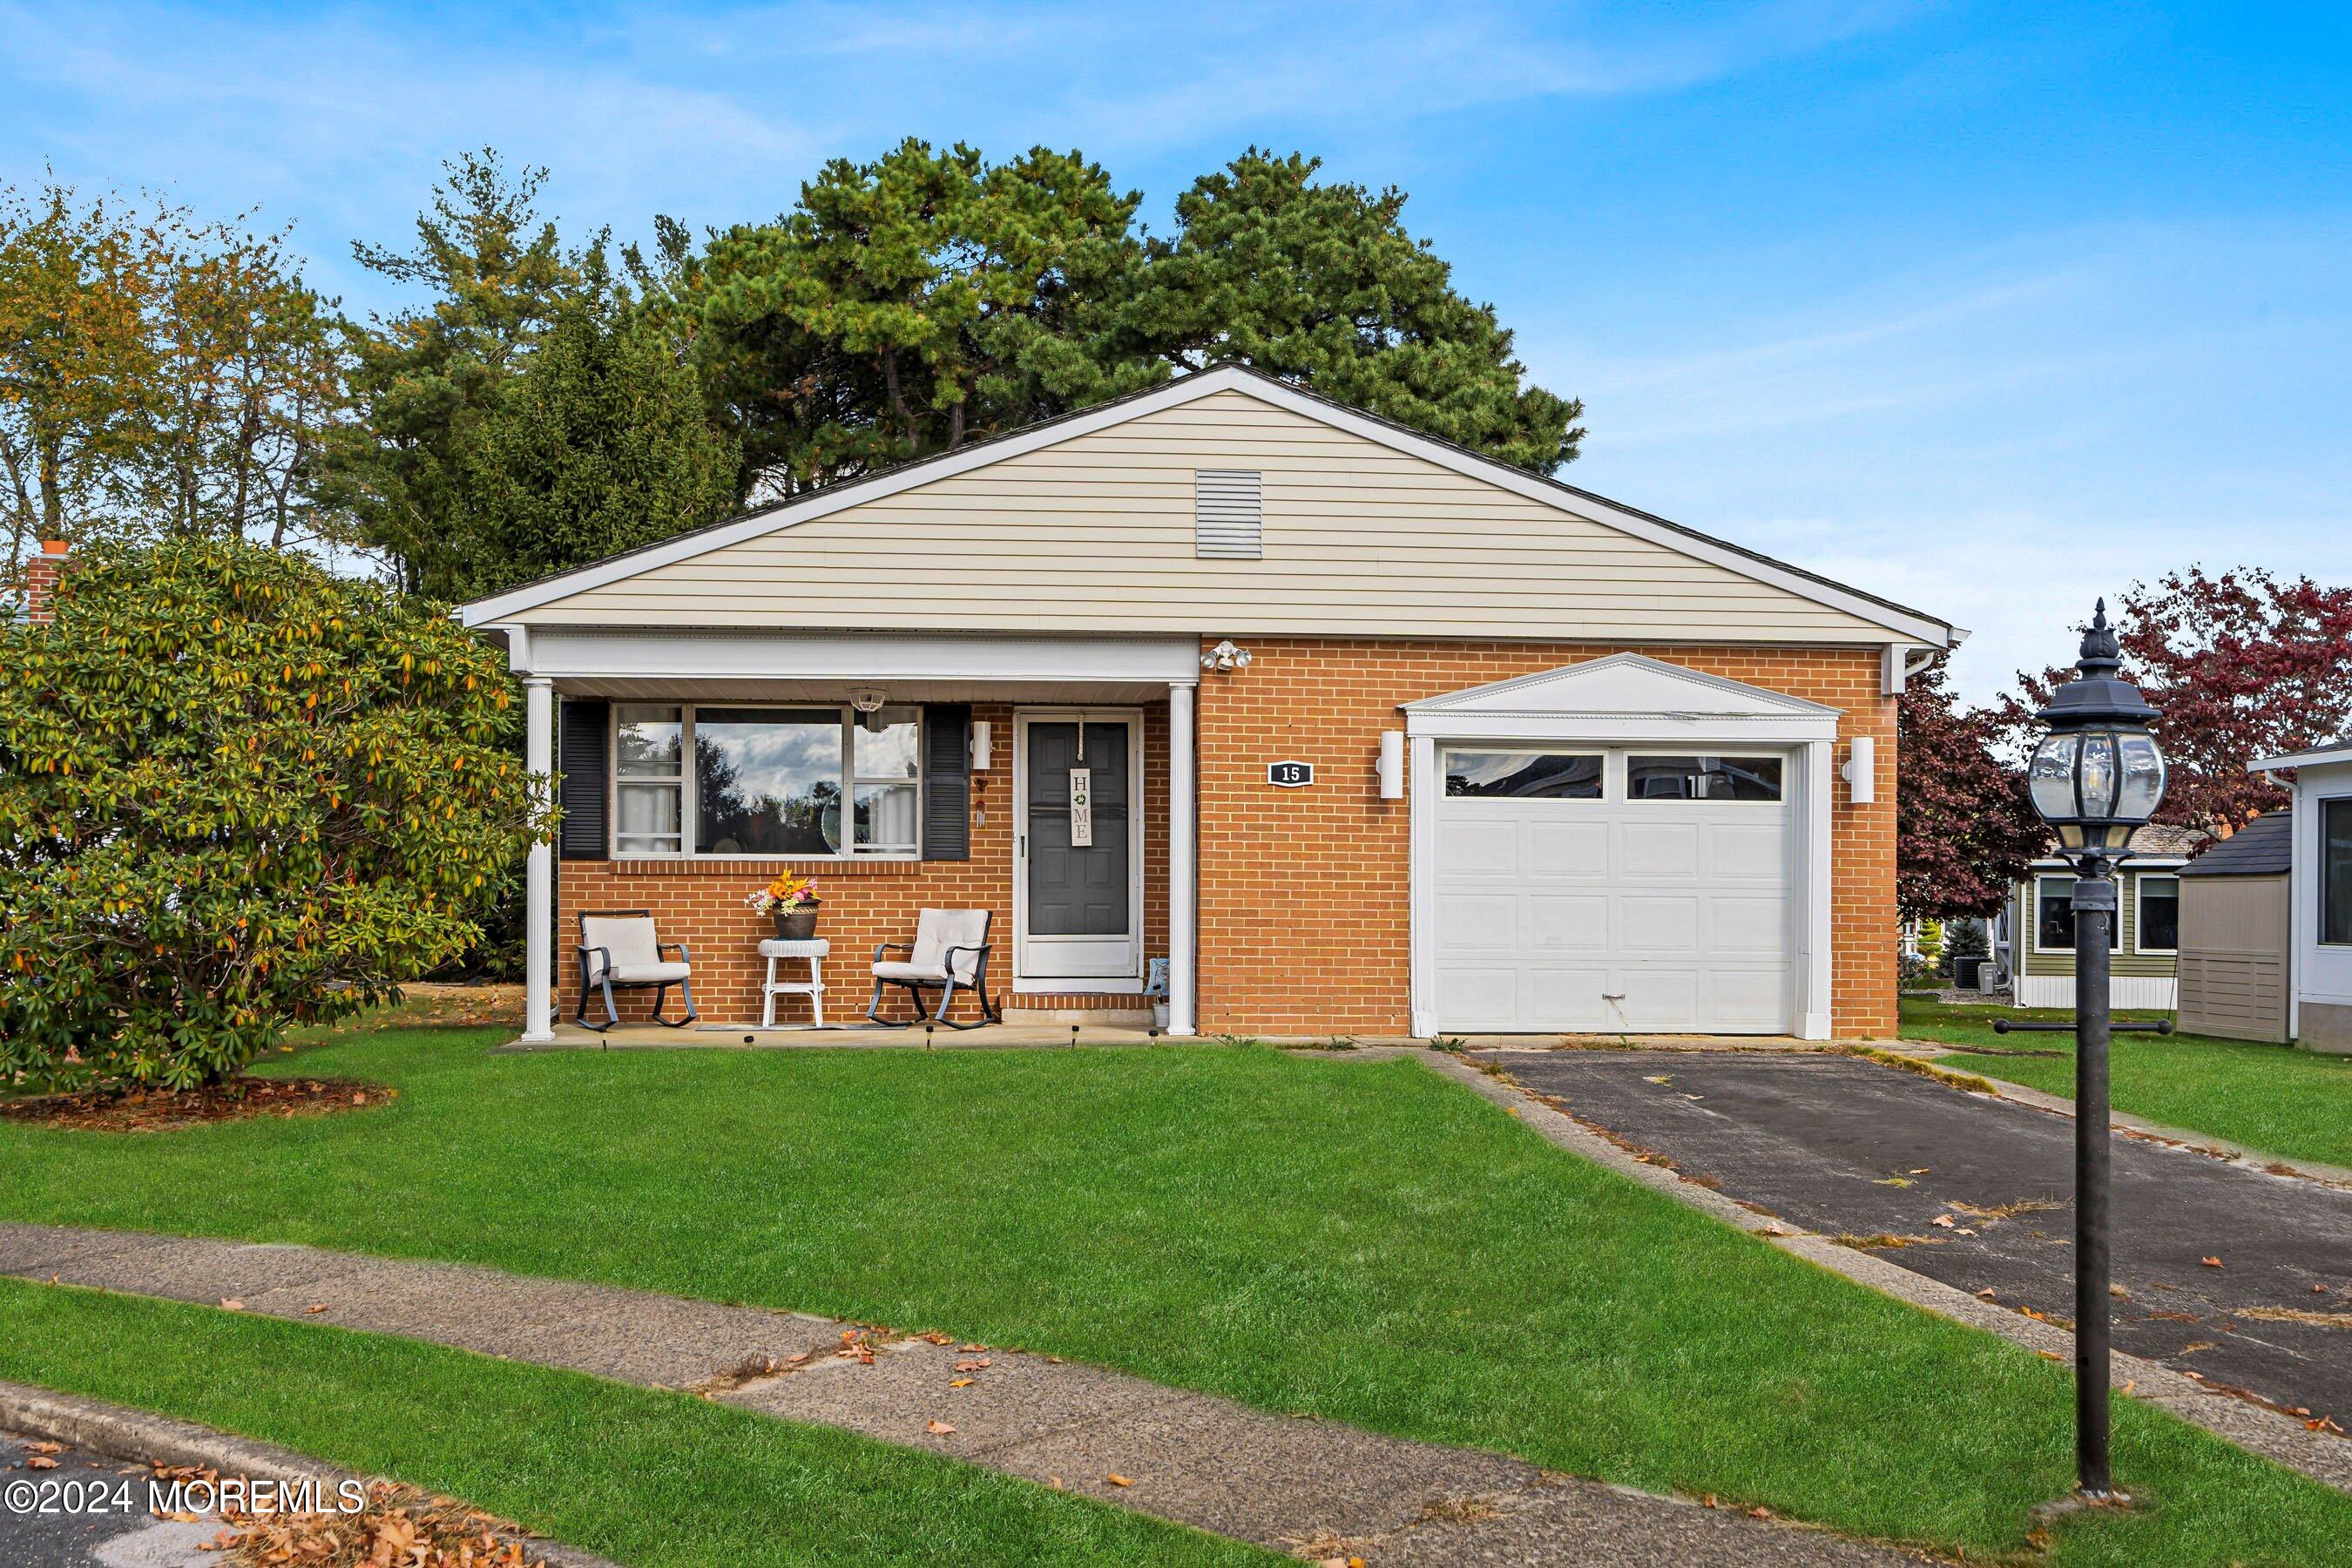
x=2272, y=1097
x=1361, y=1240
x=650, y=1479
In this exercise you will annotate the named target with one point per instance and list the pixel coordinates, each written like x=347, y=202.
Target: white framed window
x=768, y=780
x=2156, y=913
x=2053, y=917
x=649, y=780
x=1474, y=773
x=2335, y=871
x=1715, y=777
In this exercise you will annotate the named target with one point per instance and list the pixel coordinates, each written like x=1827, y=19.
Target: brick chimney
x=41, y=575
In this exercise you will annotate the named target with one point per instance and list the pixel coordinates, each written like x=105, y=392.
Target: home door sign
x=1290, y=776
x=1082, y=809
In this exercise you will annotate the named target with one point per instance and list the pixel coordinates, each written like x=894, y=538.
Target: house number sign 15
x=1290, y=776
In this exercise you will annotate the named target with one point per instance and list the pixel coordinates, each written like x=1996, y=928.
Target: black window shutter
x=581, y=759
x=947, y=786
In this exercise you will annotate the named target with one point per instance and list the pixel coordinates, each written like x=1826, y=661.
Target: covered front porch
x=1048, y=782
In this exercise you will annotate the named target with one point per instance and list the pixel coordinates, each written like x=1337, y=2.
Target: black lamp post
x=2096, y=775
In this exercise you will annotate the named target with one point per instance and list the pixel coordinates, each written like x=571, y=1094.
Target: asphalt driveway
x=1850, y=1148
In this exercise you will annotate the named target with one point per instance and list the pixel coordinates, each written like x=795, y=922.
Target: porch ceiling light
x=868, y=705
x=2097, y=773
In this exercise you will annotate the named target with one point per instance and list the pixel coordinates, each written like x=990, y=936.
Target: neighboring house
x=2319, y=1016
x=2037, y=928
x=2237, y=939
x=1382, y=737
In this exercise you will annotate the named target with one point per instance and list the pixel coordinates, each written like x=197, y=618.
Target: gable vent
x=1228, y=518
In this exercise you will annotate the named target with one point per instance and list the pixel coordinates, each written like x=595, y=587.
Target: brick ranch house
x=1383, y=738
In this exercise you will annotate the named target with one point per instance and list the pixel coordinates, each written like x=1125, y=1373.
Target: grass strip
x=648, y=1479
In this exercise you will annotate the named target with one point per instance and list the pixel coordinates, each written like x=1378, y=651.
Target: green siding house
x=2036, y=933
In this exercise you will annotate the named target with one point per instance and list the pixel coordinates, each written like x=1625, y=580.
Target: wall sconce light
x=1227, y=657
x=1860, y=770
x=980, y=745
x=1391, y=768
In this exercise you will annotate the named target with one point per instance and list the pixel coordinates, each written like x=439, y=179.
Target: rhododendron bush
x=237, y=793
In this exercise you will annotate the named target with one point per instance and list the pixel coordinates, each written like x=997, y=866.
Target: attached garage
x=1622, y=846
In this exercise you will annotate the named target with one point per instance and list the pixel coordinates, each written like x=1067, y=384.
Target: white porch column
x=1818, y=801
x=1183, y=869
x=538, y=878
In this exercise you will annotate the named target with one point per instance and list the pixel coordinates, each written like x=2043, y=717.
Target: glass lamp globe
x=2098, y=773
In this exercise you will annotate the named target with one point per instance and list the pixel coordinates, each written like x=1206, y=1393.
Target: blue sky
x=1988, y=309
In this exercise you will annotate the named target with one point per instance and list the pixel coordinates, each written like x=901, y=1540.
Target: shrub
x=235, y=793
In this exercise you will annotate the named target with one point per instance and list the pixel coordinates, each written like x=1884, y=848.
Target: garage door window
x=1703, y=778
x=1547, y=775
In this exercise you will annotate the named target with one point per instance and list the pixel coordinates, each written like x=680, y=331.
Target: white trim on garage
x=1631, y=699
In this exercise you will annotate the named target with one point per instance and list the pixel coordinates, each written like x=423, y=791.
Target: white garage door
x=1600, y=889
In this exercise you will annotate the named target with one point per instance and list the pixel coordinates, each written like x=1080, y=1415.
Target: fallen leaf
x=60, y=1447
x=1964, y=1230
x=315, y=1307
x=41, y=1462
x=1988, y=1293
x=937, y=1338
x=1056, y=1361
x=1662, y=1077
x=1945, y=1220
x=2324, y=1423
x=2319, y=1289
x=1510, y=1111
x=1895, y=1182
x=796, y=1359
x=979, y=1364
x=1919, y=1170
x=938, y=1428
x=2049, y=1355
x=231, y=1304
x=1116, y=1479
x=969, y=1350
x=2210, y=1262
x=1055, y=1482
x=1759, y=1511
x=959, y=1383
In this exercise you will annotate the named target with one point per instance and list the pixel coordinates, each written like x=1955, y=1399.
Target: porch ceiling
x=835, y=689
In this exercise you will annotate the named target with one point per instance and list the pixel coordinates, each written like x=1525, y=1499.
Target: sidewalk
x=1314, y=1489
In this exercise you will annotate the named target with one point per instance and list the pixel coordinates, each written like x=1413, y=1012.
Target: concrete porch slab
x=1008, y=1034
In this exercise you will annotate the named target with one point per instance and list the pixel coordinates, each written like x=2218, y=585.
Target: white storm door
x=1078, y=904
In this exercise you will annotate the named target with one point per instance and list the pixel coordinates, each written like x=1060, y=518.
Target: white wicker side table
x=812, y=987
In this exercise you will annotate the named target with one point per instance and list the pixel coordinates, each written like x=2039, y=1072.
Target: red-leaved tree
x=1964, y=831
x=2239, y=665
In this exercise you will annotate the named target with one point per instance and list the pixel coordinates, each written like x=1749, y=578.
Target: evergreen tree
x=1321, y=285
x=908, y=306
x=426, y=379
x=602, y=445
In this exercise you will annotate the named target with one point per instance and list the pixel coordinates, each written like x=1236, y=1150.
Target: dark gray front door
x=1080, y=899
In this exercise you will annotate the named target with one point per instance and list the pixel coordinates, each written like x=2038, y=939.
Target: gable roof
x=1895, y=622
x=2262, y=847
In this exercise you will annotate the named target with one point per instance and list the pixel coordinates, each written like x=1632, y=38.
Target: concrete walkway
x=1315, y=1489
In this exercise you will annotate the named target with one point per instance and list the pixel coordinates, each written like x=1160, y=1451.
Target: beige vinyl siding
x=2235, y=933
x=1096, y=534
x=2126, y=959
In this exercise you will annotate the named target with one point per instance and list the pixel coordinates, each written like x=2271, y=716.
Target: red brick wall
x=1303, y=915
x=700, y=902
x=41, y=573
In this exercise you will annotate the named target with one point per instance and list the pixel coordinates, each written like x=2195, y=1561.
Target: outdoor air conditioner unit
x=1989, y=978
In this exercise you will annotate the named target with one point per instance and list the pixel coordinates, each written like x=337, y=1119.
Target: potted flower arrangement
x=793, y=901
